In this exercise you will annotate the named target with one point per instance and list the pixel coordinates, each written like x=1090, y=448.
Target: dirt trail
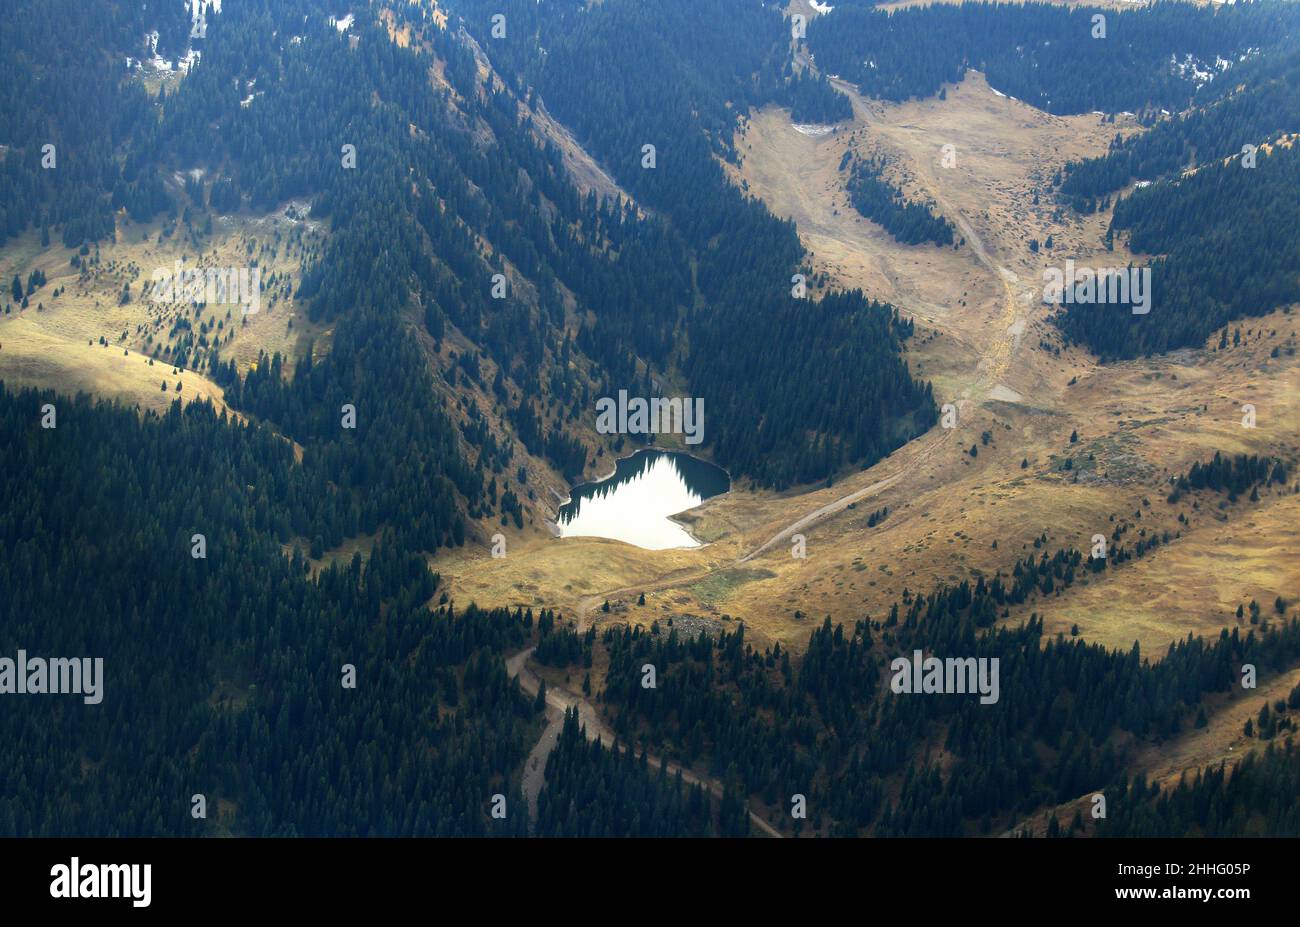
x=924, y=449
x=996, y=355
x=1004, y=336
x=558, y=701
x=535, y=765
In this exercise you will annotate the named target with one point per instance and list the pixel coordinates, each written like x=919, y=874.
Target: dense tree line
x=846, y=385
x=400, y=461
x=597, y=791
x=883, y=203
x=1045, y=54
x=1259, y=104
x=1226, y=231
x=561, y=645
x=612, y=75
x=55, y=91
x=1229, y=247
x=223, y=674
x=1233, y=475
x=1259, y=797
x=812, y=100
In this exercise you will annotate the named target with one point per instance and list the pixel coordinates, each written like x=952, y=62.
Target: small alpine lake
x=635, y=503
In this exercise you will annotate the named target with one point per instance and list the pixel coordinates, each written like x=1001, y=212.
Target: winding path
x=560, y=700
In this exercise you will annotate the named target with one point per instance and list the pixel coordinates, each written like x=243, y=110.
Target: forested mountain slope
x=224, y=664
x=682, y=95
x=1055, y=57
x=1216, y=201
x=1260, y=103
x=1228, y=237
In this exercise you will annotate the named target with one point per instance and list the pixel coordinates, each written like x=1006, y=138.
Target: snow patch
x=1197, y=71
x=198, y=29
x=814, y=131
x=296, y=211
x=199, y=16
